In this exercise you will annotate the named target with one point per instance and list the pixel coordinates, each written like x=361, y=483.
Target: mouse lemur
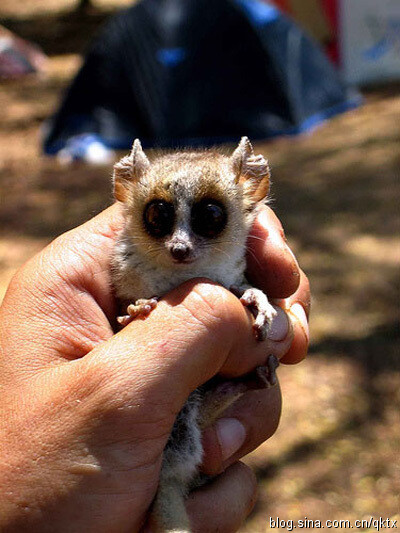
x=188, y=214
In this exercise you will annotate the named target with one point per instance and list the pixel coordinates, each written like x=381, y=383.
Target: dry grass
x=336, y=452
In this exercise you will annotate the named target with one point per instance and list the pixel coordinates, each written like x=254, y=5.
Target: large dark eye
x=208, y=218
x=159, y=218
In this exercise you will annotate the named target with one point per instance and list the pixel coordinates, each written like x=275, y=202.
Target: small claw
x=150, y=305
x=146, y=309
x=263, y=377
x=124, y=320
x=248, y=299
x=260, y=332
x=266, y=375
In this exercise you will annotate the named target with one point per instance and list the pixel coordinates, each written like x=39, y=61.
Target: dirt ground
x=336, y=453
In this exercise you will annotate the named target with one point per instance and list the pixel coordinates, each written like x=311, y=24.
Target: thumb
x=198, y=330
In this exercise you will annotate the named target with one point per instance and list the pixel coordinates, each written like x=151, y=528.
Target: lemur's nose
x=180, y=251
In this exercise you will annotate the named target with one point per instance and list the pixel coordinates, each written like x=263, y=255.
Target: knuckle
x=16, y=281
x=214, y=306
x=304, y=293
x=280, y=231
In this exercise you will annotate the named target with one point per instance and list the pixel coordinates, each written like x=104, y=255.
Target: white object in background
x=98, y=154
x=86, y=147
x=369, y=40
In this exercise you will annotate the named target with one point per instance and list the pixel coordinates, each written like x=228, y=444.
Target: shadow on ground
x=375, y=356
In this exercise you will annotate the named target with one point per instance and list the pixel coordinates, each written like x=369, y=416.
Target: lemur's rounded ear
x=128, y=170
x=250, y=170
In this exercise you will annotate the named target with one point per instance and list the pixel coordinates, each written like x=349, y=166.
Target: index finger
x=271, y=265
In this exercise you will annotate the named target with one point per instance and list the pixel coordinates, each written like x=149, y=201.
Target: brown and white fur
x=146, y=266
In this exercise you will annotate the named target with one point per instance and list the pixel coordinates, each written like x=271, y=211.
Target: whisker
x=222, y=251
x=255, y=237
x=253, y=255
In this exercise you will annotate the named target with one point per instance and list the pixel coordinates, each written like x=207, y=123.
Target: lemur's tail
x=169, y=511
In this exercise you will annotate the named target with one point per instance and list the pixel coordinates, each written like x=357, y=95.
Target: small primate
x=188, y=214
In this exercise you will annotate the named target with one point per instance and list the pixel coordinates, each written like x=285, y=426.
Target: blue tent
x=197, y=72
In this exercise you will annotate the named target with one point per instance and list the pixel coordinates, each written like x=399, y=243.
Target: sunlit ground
x=336, y=453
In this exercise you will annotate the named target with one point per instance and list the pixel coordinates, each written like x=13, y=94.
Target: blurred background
x=336, y=189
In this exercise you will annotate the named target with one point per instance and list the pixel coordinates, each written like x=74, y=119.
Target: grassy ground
x=336, y=453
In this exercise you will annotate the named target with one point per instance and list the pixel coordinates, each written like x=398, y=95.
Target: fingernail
x=298, y=311
x=279, y=327
x=231, y=435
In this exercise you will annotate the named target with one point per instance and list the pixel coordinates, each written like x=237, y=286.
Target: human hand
x=85, y=414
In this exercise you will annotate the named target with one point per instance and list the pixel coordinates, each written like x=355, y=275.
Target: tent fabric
x=190, y=72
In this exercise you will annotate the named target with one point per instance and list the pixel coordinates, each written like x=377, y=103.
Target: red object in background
x=332, y=13
x=329, y=12
x=282, y=4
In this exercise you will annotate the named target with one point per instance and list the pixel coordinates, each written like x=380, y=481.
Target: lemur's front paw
x=262, y=310
x=140, y=309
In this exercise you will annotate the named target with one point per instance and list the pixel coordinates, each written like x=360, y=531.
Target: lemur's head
x=188, y=207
